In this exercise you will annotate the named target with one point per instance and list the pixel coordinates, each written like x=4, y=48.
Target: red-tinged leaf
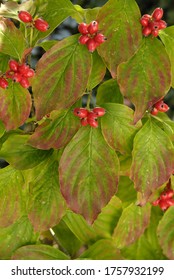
x=56, y=131
x=117, y=127
x=83, y=161
x=61, y=76
x=119, y=22
x=131, y=225
x=11, y=39
x=97, y=73
x=108, y=218
x=46, y=204
x=153, y=159
x=39, y=252
x=11, y=197
x=109, y=92
x=104, y=249
x=165, y=232
x=167, y=37
x=18, y=234
x=142, y=79
x=15, y=105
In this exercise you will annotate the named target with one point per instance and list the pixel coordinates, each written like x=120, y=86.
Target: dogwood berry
x=157, y=14
x=166, y=198
x=41, y=25
x=3, y=83
x=25, y=16
x=83, y=28
x=89, y=116
x=93, y=27
x=80, y=112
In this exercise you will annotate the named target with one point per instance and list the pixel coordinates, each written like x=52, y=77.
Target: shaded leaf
x=3, y=62
x=46, y=45
x=56, y=131
x=103, y=249
x=117, y=127
x=131, y=225
x=15, y=106
x=10, y=9
x=85, y=191
x=87, y=15
x=126, y=192
x=119, y=22
x=11, y=198
x=142, y=78
x=46, y=204
x=2, y=129
x=61, y=76
x=165, y=233
x=125, y=164
x=18, y=234
x=11, y=39
x=38, y=252
x=153, y=159
x=109, y=92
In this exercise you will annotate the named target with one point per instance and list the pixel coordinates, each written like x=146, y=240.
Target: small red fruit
x=41, y=25
x=93, y=27
x=161, y=106
x=80, y=112
x=99, y=38
x=162, y=24
x=92, y=122
x=25, y=16
x=17, y=77
x=170, y=202
x=155, y=32
x=23, y=68
x=84, y=122
x=147, y=31
x=83, y=28
x=29, y=73
x=163, y=205
x=3, y=83
x=91, y=45
x=99, y=112
x=83, y=39
x=157, y=14
x=154, y=111
x=156, y=202
x=24, y=82
x=13, y=64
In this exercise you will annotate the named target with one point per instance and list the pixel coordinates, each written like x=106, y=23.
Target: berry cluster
x=91, y=37
x=3, y=82
x=89, y=117
x=166, y=198
x=38, y=23
x=160, y=106
x=153, y=23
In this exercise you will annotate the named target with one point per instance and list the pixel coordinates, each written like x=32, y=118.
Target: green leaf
x=142, y=79
x=18, y=234
x=3, y=62
x=61, y=76
x=131, y=225
x=87, y=15
x=125, y=164
x=10, y=9
x=126, y=192
x=119, y=22
x=104, y=249
x=153, y=159
x=2, y=129
x=165, y=233
x=46, y=45
x=106, y=221
x=109, y=92
x=38, y=252
x=11, y=39
x=46, y=204
x=97, y=73
x=84, y=159
x=56, y=131
x=11, y=197
x=15, y=106
x=167, y=37
x=20, y=155
x=118, y=128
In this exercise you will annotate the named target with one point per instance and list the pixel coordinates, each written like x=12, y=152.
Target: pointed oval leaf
x=104, y=249
x=18, y=234
x=12, y=41
x=109, y=92
x=165, y=232
x=84, y=159
x=61, y=76
x=118, y=128
x=15, y=106
x=46, y=204
x=56, y=131
x=128, y=196
x=153, y=159
x=167, y=37
x=11, y=198
x=20, y=155
x=119, y=22
x=4, y=62
x=39, y=252
x=131, y=225
x=142, y=78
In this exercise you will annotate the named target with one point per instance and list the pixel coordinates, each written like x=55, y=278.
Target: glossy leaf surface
x=109, y=92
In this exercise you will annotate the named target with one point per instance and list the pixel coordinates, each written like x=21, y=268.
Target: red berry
x=170, y=202
x=147, y=31
x=99, y=38
x=155, y=32
x=156, y=202
x=3, y=83
x=25, y=16
x=161, y=106
x=24, y=82
x=83, y=39
x=98, y=111
x=91, y=115
x=80, y=112
x=157, y=14
x=93, y=27
x=91, y=45
x=41, y=25
x=163, y=205
x=83, y=28
x=162, y=24
x=84, y=122
x=23, y=68
x=13, y=64
x=29, y=73
x=9, y=74
x=17, y=77
x=169, y=193
x=92, y=122
x=144, y=20
x=154, y=111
